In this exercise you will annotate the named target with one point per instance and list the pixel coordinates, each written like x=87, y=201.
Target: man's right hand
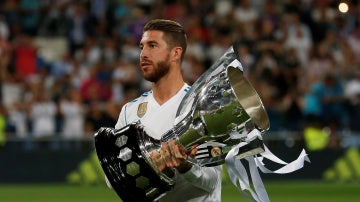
x=172, y=155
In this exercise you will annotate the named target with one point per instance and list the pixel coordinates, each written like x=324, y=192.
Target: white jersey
x=156, y=119
x=199, y=183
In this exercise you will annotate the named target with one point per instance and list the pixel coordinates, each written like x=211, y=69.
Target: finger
x=168, y=160
x=155, y=156
x=171, y=147
x=173, y=156
x=192, y=151
x=177, y=150
x=180, y=152
x=158, y=160
x=165, y=152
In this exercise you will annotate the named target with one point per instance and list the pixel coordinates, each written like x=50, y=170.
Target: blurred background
x=68, y=66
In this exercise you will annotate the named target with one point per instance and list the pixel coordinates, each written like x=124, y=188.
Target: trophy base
x=251, y=148
x=126, y=167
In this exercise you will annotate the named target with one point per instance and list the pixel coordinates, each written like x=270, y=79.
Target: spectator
x=11, y=12
x=25, y=56
x=97, y=117
x=92, y=88
x=90, y=53
x=222, y=40
x=197, y=38
x=354, y=42
x=298, y=38
x=192, y=69
x=320, y=62
x=129, y=49
x=62, y=66
x=245, y=15
x=352, y=93
x=109, y=51
x=332, y=98
x=54, y=20
x=322, y=16
x=5, y=48
x=78, y=23
x=98, y=8
x=30, y=16
x=266, y=40
x=42, y=115
x=311, y=104
x=18, y=120
x=247, y=58
x=73, y=112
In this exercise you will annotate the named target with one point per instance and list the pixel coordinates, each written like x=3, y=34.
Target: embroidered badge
x=216, y=151
x=142, y=109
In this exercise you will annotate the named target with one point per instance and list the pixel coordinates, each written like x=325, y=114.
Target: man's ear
x=177, y=52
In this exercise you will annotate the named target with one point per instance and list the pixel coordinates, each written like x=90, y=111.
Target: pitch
x=279, y=191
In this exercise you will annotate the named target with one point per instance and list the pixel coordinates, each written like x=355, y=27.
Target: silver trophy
x=216, y=114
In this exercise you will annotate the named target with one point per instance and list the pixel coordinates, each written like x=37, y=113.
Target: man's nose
x=143, y=53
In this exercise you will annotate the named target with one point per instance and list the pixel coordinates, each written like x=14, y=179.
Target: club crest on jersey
x=142, y=109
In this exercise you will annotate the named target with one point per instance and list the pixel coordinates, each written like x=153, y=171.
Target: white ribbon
x=287, y=168
x=237, y=172
x=239, y=177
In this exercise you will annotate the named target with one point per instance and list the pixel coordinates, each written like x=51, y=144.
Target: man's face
x=154, y=56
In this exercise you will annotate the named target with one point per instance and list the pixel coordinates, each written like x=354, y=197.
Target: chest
x=156, y=119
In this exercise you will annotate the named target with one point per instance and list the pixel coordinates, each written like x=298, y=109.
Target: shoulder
x=142, y=98
x=129, y=111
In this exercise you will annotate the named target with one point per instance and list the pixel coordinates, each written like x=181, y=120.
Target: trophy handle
x=248, y=98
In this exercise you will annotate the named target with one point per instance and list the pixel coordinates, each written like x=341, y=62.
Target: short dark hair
x=174, y=33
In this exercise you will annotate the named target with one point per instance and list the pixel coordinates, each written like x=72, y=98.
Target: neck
x=167, y=87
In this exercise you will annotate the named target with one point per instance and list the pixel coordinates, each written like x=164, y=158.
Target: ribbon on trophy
x=239, y=176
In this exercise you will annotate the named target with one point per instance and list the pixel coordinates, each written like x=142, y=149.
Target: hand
x=172, y=155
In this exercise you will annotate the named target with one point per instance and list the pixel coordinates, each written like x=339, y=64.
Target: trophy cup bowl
x=220, y=106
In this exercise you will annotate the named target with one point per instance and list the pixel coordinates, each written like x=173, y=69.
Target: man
x=163, y=47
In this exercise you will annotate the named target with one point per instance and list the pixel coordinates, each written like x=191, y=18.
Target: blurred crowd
x=302, y=56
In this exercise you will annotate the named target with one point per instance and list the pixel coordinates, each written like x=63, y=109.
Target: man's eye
x=152, y=46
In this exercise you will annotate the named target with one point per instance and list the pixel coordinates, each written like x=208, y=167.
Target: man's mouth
x=145, y=64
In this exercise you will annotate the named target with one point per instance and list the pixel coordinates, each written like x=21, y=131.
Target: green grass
x=279, y=191
x=302, y=191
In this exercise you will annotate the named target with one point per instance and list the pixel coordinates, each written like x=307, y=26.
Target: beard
x=160, y=69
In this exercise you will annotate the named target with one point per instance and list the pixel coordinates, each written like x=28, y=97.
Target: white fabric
x=239, y=177
x=43, y=116
x=157, y=119
x=73, y=119
x=199, y=183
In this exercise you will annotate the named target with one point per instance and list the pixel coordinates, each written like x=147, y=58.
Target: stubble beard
x=160, y=69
